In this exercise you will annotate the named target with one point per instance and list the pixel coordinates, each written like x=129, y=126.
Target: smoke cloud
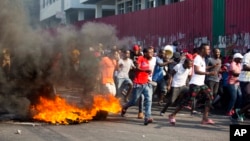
x=40, y=60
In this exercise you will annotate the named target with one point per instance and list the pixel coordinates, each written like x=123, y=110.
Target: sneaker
x=140, y=115
x=208, y=121
x=162, y=114
x=123, y=112
x=147, y=121
x=171, y=120
x=232, y=111
x=195, y=112
x=240, y=116
x=229, y=114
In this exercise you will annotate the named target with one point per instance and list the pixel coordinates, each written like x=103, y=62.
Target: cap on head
x=169, y=51
x=136, y=48
x=237, y=55
x=189, y=56
x=184, y=51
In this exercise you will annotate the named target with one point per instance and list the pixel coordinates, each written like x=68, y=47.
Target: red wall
x=187, y=22
x=237, y=16
x=183, y=21
x=237, y=26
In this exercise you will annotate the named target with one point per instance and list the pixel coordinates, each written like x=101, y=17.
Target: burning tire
x=101, y=115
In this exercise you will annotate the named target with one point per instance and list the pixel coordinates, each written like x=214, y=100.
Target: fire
x=58, y=111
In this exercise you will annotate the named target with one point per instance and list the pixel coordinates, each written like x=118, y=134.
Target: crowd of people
x=184, y=79
x=202, y=78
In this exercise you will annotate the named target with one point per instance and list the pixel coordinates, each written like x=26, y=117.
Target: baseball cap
x=189, y=56
x=136, y=47
x=237, y=55
x=184, y=51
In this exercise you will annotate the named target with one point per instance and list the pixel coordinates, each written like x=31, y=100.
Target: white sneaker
x=162, y=114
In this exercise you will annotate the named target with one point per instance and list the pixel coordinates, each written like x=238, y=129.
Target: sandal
x=208, y=121
x=171, y=120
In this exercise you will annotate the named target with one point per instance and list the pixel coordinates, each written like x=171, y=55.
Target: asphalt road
x=115, y=127
x=121, y=128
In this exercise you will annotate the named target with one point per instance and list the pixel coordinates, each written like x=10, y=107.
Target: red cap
x=136, y=47
x=189, y=56
x=185, y=51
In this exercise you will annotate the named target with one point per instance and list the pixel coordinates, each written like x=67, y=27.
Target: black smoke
x=41, y=59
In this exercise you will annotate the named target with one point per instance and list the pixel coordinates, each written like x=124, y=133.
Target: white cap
x=169, y=50
x=169, y=47
x=237, y=55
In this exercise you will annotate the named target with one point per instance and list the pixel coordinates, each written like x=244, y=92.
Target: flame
x=58, y=111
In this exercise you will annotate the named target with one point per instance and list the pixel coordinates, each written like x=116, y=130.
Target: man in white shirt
x=197, y=85
x=125, y=64
x=178, y=82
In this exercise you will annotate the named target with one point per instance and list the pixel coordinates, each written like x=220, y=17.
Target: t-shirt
x=141, y=77
x=107, y=70
x=235, y=68
x=124, y=69
x=197, y=79
x=158, y=71
x=212, y=62
x=245, y=75
x=180, y=77
x=170, y=68
x=134, y=58
x=152, y=63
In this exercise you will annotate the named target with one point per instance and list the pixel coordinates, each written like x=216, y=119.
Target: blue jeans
x=141, y=99
x=139, y=90
x=235, y=97
x=120, y=82
x=245, y=98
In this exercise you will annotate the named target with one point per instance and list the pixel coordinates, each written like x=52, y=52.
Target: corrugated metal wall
x=237, y=24
x=189, y=22
x=237, y=16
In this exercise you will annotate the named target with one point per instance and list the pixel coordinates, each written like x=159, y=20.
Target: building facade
x=55, y=12
x=126, y=6
x=32, y=8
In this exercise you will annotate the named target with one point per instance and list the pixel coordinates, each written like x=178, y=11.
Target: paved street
x=120, y=128
x=126, y=128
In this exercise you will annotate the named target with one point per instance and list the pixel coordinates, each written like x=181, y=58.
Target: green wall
x=218, y=25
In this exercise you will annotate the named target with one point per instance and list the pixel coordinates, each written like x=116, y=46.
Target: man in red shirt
x=141, y=86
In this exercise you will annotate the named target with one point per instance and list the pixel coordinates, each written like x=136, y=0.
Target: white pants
x=109, y=88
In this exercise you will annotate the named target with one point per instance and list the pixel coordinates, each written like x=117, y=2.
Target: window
x=150, y=4
x=137, y=5
x=129, y=6
x=121, y=8
x=161, y=2
x=173, y=1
